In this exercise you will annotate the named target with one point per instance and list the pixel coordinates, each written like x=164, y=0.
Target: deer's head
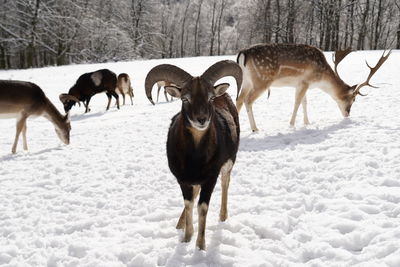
x=347, y=99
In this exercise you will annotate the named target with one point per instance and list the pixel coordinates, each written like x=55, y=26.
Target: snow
x=327, y=194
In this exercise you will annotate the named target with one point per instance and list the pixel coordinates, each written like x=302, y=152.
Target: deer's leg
x=20, y=125
x=246, y=88
x=225, y=178
x=131, y=96
x=166, y=96
x=123, y=99
x=202, y=208
x=158, y=92
x=300, y=92
x=25, y=144
x=304, y=105
x=182, y=221
x=251, y=97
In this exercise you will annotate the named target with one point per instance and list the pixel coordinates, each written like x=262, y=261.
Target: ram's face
x=197, y=101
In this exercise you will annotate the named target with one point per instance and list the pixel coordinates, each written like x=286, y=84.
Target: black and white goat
x=203, y=138
x=88, y=85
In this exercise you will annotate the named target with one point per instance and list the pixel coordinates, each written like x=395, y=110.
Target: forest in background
x=36, y=33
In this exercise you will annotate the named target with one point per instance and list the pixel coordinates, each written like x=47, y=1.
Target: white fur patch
x=241, y=59
x=290, y=68
x=96, y=78
x=198, y=126
x=227, y=166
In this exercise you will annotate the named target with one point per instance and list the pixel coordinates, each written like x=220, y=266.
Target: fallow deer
x=124, y=86
x=299, y=66
x=22, y=100
x=161, y=84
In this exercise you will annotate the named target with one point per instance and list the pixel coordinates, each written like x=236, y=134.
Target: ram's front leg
x=202, y=208
x=182, y=221
x=186, y=220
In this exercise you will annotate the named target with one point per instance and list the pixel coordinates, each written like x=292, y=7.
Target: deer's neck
x=334, y=86
x=53, y=115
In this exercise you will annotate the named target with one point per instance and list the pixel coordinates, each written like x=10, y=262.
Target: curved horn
x=165, y=72
x=66, y=97
x=224, y=68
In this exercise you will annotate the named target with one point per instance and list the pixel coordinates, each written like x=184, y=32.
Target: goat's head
x=197, y=93
x=68, y=101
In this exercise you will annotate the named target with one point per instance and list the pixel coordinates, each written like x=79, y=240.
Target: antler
x=372, y=72
x=339, y=56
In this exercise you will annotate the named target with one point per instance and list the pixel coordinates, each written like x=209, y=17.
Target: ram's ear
x=173, y=91
x=220, y=89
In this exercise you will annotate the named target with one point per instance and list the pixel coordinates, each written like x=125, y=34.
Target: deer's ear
x=220, y=89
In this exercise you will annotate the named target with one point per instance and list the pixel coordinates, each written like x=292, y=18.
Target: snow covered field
x=323, y=195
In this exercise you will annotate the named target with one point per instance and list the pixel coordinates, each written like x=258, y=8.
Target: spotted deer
x=299, y=66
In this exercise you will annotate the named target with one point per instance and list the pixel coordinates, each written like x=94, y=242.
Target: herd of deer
x=203, y=138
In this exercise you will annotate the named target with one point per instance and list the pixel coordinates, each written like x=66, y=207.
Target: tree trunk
x=310, y=27
x=290, y=22
x=196, y=31
x=363, y=28
x=321, y=25
x=377, y=25
x=213, y=28
x=351, y=25
x=267, y=22
x=183, y=29
x=278, y=21
x=336, y=42
x=31, y=50
x=221, y=13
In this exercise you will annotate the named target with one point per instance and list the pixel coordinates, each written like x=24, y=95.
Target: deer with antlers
x=299, y=66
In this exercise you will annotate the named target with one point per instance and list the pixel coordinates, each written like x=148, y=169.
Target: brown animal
x=124, y=87
x=299, y=66
x=22, y=100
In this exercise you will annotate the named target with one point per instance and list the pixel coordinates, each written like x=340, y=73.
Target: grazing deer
x=124, y=86
x=299, y=66
x=22, y=100
x=161, y=84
